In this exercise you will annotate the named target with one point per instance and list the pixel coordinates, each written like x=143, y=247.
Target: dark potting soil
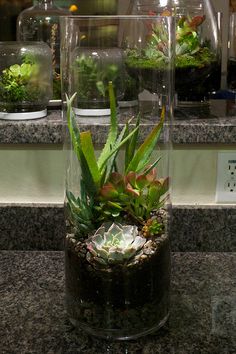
x=130, y=298
x=196, y=83
x=149, y=78
x=231, y=78
x=191, y=83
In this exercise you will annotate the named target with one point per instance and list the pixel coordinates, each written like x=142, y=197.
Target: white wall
x=36, y=175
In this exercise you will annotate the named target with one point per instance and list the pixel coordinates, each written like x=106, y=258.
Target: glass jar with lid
x=198, y=60
x=25, y=80
x=41, y=23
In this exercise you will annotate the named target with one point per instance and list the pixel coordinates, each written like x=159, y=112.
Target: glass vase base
x=118, y=335
x=23, y=115
x=193, y=104
x=92, y=112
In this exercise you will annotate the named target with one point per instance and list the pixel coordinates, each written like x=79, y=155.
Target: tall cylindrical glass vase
x=117, y=252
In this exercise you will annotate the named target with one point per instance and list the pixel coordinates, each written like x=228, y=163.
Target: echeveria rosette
x=115, y=244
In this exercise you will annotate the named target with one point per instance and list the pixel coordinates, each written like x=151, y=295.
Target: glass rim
x=118, y=17
x=23, y=43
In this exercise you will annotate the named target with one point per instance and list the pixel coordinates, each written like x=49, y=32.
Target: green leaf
x=76, y=141
x=131, y=145
x=151, y=167
x=113, y=129
x=117, y=147
x=89, y=153
x=112, y=159
x=144, y=152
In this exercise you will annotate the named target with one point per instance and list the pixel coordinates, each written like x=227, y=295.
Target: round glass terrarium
x=25, y=79
x=99, y=49
x=198, y=60
x=117, y=252
x=41, y=23
x=92, y=69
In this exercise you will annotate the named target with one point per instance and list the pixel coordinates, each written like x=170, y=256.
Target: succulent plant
x=137, y=195
x=104, y=193
x=114, y=244
x=190, y=51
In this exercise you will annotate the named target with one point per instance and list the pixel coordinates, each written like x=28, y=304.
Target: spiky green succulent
x=114, y=244
x=94, y=205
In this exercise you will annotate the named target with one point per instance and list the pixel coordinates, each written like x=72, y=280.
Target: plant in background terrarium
x=148, y=58
x=198, y=62
x=25, y=80
x=92, y=70
x=117, y=247
x=131, y=91
x=41, y=23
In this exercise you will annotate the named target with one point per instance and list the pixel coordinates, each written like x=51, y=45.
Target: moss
x=202, y=58
x=145, y=63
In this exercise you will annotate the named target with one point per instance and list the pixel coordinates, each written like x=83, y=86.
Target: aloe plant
x=86, y=213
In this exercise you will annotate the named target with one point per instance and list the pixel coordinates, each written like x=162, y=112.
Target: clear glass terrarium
x=99, y=49
x=41, y=23
x=198, y=59
x=25, y=79
x=117, y=252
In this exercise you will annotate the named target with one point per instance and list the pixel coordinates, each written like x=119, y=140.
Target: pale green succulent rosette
x=114, y=244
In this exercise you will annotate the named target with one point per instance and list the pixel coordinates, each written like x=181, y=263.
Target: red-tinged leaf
x=131, y=178
x=108, y=191
x=142, y=182
x=116, y=178
x=196, y=21
x=118, y=181
x=151, y=175
x=133, y=192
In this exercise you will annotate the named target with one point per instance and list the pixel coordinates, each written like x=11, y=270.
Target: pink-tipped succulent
x=137, y=195
x=114, y=244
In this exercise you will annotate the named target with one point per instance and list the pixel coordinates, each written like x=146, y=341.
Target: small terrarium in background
x=93, y=68
x=99, y=50
x=198, y=59
x=41, y=23
x=25, y=80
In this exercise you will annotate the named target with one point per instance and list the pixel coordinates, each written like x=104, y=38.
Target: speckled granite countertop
x=214, y=127
x=33, y=319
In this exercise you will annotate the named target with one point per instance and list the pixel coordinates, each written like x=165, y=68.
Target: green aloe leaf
x=76, y=141
x=151, y=167
x=131, y=146
x=117, y=147
x=112, y=136
x=112, y=158
x=89, y=153
x=144, y=152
